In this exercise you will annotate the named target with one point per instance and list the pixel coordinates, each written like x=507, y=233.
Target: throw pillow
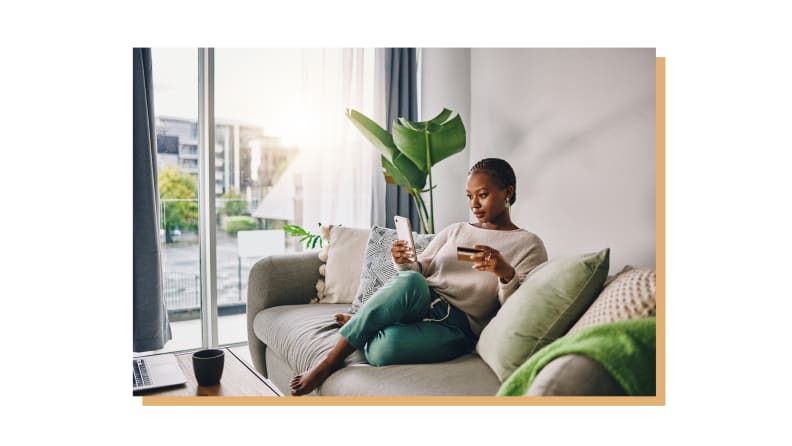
x=377, y=267
x=631, y=295
x=345, y=249
x=320, y=284
x=549, y=300
x=611, y=278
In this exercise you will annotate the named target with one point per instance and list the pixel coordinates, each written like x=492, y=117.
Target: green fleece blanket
x=626, y=349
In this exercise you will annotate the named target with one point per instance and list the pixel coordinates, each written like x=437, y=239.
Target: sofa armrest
x=574, y=375
x=285, y=279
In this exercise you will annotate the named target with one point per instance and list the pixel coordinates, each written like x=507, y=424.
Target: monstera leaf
x=429, y=142
x=410, y=152
x=396, y=165
x=376, y=135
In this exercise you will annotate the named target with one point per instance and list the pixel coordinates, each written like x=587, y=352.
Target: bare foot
x=342, y=319
x=310, y=380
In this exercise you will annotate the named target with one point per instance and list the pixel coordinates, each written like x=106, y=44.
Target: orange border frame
x=657, y=400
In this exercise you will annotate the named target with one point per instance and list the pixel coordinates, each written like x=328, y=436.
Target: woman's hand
x=491, y=260
x=401, y=252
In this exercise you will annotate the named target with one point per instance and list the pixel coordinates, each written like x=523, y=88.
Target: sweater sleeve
x=423, y=259
x=535, y=256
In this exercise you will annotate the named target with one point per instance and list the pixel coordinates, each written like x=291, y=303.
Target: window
x=283, y=153
x=253, y=88
x=176, y=108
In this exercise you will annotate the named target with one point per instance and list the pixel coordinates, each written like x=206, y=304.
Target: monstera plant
x=408, y=154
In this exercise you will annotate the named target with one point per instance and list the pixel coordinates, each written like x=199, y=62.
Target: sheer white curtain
x=341, y=175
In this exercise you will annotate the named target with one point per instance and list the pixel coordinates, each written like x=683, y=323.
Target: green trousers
x=405, y=322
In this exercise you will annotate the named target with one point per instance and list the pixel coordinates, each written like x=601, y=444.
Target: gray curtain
x=151, y=329
x=401, y=83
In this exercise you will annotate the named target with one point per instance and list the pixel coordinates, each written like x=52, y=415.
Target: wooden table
x=238, y=379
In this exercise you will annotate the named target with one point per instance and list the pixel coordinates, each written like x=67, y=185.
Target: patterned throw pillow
x=378, y=264
x=631, y=295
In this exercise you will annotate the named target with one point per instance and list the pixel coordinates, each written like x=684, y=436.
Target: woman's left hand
x=491, y=260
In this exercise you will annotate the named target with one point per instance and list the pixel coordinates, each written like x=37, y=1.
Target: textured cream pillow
x=614, y=276
x=343, y=254
x=631, y=295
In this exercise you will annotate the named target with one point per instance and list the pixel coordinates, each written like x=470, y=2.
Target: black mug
x=208, y=366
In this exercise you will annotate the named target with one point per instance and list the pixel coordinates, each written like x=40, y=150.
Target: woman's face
x=485, y=198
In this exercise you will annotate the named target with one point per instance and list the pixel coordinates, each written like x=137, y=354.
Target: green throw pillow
x=551, y=298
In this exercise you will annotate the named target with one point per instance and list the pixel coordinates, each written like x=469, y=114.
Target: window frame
x=206, y=198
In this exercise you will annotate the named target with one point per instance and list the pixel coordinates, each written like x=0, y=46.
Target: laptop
x=155, y=372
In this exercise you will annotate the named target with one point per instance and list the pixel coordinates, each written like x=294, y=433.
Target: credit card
x=466, y=254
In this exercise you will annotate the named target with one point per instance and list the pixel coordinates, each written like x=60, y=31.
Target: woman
x=435, y=307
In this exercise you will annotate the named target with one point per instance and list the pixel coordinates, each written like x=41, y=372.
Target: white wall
x=445, y=83
x=578, y=126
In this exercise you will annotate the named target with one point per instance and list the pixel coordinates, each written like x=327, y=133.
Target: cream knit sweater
x=478, y=293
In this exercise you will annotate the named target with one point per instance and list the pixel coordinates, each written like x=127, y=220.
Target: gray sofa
x=287, y=336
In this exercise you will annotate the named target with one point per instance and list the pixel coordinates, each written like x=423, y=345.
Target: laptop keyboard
x=140, y=376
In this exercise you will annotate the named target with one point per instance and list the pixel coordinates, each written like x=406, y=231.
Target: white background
x=66, y=184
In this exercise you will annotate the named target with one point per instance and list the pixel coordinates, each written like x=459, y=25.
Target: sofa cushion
x=548, y=302
x=466, y=375
x=302, y=335
x=377, y=267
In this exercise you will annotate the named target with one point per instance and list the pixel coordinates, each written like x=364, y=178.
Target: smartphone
x=404, y=232
x=466, y=254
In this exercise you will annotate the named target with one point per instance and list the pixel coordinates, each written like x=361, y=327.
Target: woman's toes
x=341, y=319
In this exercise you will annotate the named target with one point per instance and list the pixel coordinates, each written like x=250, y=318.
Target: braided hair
x=500, y=171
